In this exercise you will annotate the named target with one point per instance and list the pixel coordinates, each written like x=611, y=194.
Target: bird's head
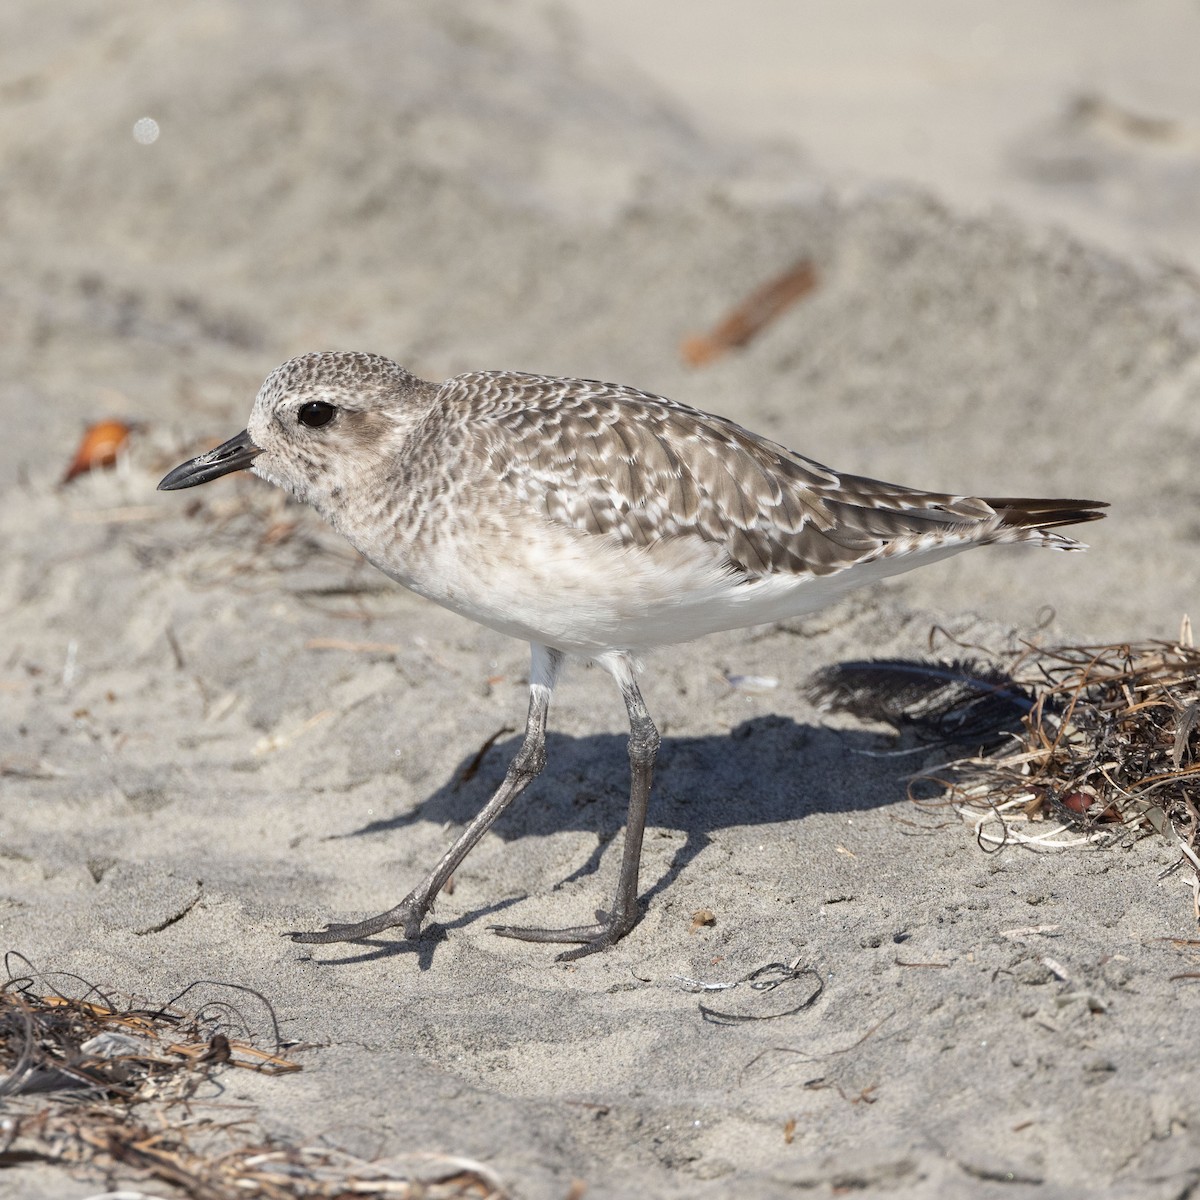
x=321, y=427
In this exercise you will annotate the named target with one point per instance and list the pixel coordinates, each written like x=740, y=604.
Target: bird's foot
x=408, y=914
x=606, y=932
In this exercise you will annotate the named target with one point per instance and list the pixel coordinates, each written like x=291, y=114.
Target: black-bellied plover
x=591, y=520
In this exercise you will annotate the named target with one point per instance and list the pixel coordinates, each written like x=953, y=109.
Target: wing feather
x=628, y=465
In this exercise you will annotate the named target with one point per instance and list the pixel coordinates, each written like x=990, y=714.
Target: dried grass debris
x=109, y=1086
x=1108, y=749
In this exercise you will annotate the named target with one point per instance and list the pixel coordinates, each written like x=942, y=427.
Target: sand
x=189, y=769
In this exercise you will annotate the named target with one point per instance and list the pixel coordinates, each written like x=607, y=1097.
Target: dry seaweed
x=1109, y=748
x=107, y=1085
x=761, y=980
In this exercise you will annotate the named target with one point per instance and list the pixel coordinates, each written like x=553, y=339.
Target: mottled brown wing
x=637, y=467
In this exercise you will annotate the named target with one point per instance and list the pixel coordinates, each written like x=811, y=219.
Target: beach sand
x=217, y=724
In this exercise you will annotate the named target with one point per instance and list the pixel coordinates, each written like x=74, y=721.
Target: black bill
x=234, y=455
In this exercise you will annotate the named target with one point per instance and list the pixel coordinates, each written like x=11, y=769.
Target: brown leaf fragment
x=1079, y=802
x=99, y=448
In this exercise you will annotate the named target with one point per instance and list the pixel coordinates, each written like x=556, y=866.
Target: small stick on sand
x=755, y=312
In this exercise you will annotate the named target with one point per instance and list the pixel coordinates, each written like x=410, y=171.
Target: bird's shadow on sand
x=767, y=770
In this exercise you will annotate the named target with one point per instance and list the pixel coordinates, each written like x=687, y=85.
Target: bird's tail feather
x=1028, y=513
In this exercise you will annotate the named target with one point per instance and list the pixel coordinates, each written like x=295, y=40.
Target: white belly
x=586, y=595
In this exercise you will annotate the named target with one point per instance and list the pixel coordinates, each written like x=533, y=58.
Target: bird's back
x=639, y=469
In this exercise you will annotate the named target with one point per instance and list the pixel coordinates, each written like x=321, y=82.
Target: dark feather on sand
x=960, y=701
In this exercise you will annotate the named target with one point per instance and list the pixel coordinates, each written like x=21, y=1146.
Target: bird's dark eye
x=315, y=413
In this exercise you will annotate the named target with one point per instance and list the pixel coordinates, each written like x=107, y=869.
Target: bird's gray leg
x=523, y=769
x=614, y=925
